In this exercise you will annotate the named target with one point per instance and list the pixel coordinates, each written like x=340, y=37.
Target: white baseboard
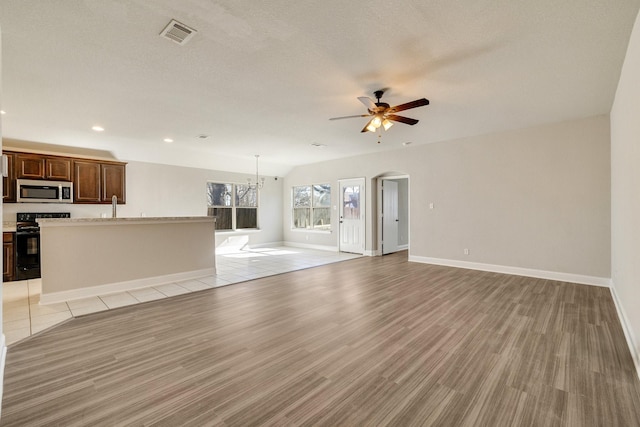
x=309, y=246
x=110, y=288
x=324, y=248
x=517, y=271
x=3, y=359
x=628, y=333
x=267, y=245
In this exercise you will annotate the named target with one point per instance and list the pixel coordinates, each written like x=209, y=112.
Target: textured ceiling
x=265, y=77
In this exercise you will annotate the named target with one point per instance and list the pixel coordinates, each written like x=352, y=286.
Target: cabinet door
x=58, y=168
x=9, y=183
x=86, y=181
x=113, y=182
x=29, y=166
x=8, y=258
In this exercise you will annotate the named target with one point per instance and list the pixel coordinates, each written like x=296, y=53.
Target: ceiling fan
x=382, y=114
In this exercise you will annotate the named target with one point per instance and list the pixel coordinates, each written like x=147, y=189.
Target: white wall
x=625, y=192
x=156, y=190
x=536, y=198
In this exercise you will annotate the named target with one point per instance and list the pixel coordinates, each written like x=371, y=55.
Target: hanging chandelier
x=259, y=181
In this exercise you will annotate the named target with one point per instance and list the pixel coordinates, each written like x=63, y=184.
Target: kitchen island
x=85, y=257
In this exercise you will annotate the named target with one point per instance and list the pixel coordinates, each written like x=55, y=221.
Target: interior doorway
x=393, y=214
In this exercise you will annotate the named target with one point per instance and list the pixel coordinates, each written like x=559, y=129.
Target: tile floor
x=24, y=316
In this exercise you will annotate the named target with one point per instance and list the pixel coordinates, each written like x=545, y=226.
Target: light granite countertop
x=57, y=222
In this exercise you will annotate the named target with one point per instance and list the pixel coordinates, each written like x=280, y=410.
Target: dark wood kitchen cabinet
x=86, y=181
x=113, y=182
x=57, y=168
x=36, y=166
x=94, y=181
x=97, y=182
x=9, y=182
x=8, y=257
x=29, y=166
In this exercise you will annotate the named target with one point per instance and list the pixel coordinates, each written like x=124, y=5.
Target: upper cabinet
x=29, y=166
x=113, y=182
x=36, y=166
x=86, y=181
x=94, y=181
x=98, y=182
x=9, y=182
x=57, y=168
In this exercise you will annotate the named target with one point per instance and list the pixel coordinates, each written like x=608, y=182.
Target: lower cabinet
x=9, y=257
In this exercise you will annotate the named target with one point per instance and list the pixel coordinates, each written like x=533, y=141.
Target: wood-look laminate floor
x=372, y=341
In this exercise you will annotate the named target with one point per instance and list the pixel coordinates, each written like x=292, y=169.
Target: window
x=312, y=207
x=235, y=206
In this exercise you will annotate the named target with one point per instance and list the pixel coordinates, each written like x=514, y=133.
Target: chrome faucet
x=114, y=203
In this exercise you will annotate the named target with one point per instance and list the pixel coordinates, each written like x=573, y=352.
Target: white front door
x=352, y=219
x=389, y=216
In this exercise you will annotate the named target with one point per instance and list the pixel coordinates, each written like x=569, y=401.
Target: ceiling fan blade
x=413, y=104
x=349, y=117
x=364, y=129
x=368, y=102
x=405, y=120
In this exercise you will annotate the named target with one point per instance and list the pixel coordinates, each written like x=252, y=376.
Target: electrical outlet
x=466, y=251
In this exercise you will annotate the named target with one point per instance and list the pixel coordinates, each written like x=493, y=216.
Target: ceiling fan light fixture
x=382, y=114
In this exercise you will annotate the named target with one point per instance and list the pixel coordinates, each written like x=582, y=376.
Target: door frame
x=363, y=212
x=379, y=195
x=390, y=220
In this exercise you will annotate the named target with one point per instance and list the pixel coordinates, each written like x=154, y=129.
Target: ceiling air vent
x=178, y=32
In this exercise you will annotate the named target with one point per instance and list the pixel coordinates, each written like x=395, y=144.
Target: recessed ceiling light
x=317, y=145
x=3, y=112
x=202, y=136
x=406, y=143
x=98, y=128
x=168, y=140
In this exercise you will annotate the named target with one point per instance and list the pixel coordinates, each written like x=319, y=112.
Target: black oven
x=28, y=243
x=27, y=255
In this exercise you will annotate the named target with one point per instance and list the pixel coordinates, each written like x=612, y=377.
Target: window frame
x=311, y=208
x=235, y=206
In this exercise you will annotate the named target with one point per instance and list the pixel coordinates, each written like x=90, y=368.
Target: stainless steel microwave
x=37, y=191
